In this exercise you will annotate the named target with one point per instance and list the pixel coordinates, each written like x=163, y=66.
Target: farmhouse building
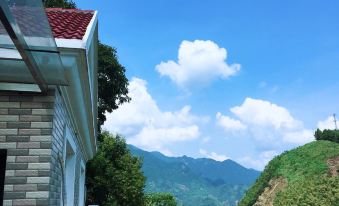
x=48, y=102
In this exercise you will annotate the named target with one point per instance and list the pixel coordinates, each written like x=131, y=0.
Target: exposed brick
x=39, y=166
x=29, y=131
x=26, y=173
x=2, y=138
x=38, y=195
x=9, y=104
x=8, y=188
x=27, y=159
x=20, y=98
x=39, y=152
x=41, y=125
x=15, y=180
x=48, y=105
x=9, y=118
x=14, y=195
x=46, y=131
x=3, y=111
x=43, y=99
x=17, y=152
x=16, y=166
x=31, y=105
x=9, y=173
x=24, y=202
x=23, y=125
x=3, y=125
x=29, y=145
x=46, y=145
x=45, y=158
x=47, y=118
x=8, y=131
x=42, y=111
x=38, y=180
x=41, y=138
x=26, y=187
x=30, y=118
x=43, y=187
x=17, y=138
x=8, y=145
x=8, y=203
x=4, y=98
x=20, y=111
x=10, y=158
x=43, y=202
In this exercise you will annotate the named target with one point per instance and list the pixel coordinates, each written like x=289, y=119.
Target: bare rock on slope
x=267, y=197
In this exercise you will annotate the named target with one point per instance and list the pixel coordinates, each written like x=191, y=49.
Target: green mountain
x=196, y=182
x=308, y=175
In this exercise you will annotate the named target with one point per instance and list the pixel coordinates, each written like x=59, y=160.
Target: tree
x=112, y=81
x=114, y=176
x=59, y=4
x=327, y=134
x=160, y=199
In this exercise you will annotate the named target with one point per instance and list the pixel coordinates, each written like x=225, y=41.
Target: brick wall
x=26, y=133
x=32, y=130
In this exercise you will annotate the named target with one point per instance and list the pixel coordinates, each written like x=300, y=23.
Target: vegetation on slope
x=306, y=171
x=202, y=182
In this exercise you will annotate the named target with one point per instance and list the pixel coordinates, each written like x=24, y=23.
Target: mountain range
x=196, y=182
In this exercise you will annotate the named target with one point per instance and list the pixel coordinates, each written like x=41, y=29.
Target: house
x=48, y=102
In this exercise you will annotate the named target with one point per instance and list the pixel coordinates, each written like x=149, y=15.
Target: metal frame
x=16, y=35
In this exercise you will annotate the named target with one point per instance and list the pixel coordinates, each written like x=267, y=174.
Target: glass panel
x=34, y=28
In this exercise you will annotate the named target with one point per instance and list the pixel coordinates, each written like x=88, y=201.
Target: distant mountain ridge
x=196, y=182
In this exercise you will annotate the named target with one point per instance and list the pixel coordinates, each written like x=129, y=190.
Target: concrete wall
x=32, y=129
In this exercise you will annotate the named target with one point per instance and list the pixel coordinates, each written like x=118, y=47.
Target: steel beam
x=14, y=32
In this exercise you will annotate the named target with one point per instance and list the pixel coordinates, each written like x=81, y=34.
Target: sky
x=240, y=80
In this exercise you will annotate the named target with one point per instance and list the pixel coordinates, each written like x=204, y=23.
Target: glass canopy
x=28, y=52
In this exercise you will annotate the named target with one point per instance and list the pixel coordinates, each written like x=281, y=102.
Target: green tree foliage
x=327, y=134
x=113, y=84
x=59, y=4
x=112, y=81
x=114, y=176
x=160, y=199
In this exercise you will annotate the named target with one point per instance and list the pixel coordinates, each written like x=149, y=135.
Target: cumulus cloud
x=229, y=124
x=213, y=155
x=326, y=124
x=199, y=62
x=264, y=113
x=267, y=123
x=145, y=125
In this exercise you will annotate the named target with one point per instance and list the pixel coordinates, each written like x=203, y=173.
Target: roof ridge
x=69, y=10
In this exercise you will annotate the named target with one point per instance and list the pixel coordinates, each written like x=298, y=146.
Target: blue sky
x=277, y=83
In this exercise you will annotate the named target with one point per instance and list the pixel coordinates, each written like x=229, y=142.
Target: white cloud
x=326, y=124
x=269, y=125
x=213, y=155
x=260, y=162
x=299, y=137
x=229, y=124
x=264, y=113
x=145, y=125
x=199, y=62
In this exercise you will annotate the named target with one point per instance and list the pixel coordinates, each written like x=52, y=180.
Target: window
x=82, y=185
x=3, y=158
x=70, y=161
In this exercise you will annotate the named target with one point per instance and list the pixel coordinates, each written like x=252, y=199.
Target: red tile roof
x=69, y=23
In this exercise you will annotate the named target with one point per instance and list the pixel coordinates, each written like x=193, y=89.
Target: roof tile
x=69, y=23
